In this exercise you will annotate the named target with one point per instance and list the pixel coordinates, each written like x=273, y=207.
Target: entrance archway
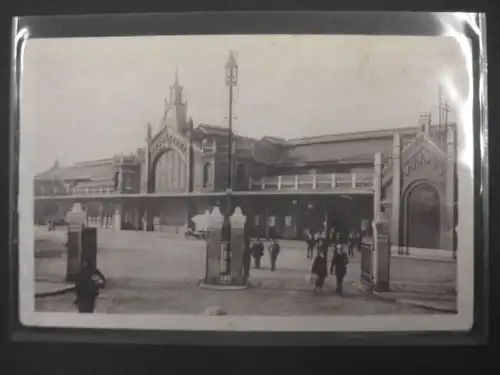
x=423, y=217
x=168, y=172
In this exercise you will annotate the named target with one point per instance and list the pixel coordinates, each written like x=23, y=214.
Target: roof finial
x=176, y=75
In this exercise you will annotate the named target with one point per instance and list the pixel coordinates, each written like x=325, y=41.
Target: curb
x=386, y=296
x=55, y=292
x=417, y=303
x=426, y=306
x=223, y=287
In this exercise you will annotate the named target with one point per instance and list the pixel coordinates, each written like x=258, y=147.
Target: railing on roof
x=92, y=191
x=312, y=182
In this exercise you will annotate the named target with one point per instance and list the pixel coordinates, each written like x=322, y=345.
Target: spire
x=176, y=89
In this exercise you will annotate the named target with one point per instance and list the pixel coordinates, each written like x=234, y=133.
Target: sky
x=90, y=98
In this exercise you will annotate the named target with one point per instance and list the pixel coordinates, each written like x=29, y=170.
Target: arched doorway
x=423, y=217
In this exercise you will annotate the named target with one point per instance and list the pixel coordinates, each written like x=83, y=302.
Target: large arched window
x=170, y=172
x=207, y=175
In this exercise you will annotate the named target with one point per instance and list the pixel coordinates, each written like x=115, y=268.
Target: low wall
x=422, y=275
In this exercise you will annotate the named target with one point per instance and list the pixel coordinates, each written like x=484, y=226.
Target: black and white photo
x=260, y=182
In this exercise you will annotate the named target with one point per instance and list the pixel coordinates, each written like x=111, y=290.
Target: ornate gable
x=423, y=160
x=420, y=159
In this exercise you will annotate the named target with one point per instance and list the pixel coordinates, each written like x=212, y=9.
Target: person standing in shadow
x=351, y=243
x=274, y=250
x=339, y=267
x=247, y=260
x=86, y=289
x=257, y=252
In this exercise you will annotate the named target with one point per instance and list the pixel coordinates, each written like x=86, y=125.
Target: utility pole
x=440, y=107
x=231, y=81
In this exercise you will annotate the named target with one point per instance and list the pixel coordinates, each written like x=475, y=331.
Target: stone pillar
x=117, y=217
x=377, y=185
x=396, y=192
x=237, y=243
x=448, y=224
x=76, y=219
x=214, y=247
x=381, y=260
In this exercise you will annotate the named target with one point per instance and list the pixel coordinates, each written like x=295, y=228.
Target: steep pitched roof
x=97, y=169
x=212, y=129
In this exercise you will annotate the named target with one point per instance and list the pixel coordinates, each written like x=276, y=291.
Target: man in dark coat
x=309, y=244
x=86, y=289
x=319, y=268
x=257, y=252
x=274, y=250
x=339, y=266
x=337, y=243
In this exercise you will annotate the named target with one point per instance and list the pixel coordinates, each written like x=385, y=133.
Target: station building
x=284, y=186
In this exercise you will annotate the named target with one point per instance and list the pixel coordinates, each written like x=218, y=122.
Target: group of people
x=255, y=250
x=322, y=241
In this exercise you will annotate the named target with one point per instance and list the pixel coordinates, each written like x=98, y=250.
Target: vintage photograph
x=242, y=177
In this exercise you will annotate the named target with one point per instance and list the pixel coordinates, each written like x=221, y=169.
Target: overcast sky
x=85, y=99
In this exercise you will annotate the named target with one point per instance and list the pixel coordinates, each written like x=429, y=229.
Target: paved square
x=159, y=273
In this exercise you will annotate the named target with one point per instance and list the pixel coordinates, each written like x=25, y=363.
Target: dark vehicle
x=128, y=226
x=199, y=234
x=57, y=222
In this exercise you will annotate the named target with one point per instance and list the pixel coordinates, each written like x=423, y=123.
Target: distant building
x=284, y=186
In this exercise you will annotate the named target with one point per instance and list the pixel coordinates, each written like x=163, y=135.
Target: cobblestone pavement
x=161, y=275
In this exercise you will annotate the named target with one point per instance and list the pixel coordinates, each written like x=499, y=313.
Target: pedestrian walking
x=257, y=252
x=247, y=260
x=86, y=289
x=274, y=250
x=351, y=242
x=339, y=267
x=319, y=270
x=357, y=241
x=309, y=245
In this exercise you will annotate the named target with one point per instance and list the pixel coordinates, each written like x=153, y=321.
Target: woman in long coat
x=319, y=268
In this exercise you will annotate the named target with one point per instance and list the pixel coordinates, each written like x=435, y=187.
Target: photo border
x=380, y=23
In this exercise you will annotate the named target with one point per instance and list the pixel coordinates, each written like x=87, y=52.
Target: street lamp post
x=231, y=81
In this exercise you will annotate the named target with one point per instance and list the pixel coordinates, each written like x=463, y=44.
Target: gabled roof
x=275, y=140
x=211, y=130
x=341, y=148
x=352, y=136
x=83, y=171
